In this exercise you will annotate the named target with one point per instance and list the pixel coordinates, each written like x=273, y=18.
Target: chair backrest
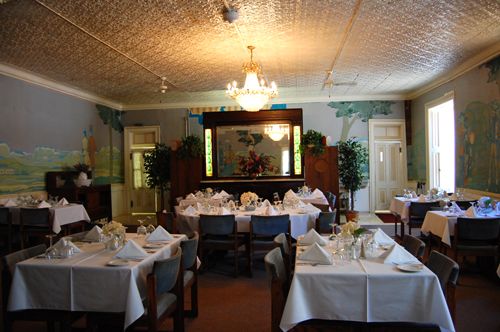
x=217, y=225
x=4, y=216
x=270, y=225
x=281, y=242
x=478, y=229
x=322, y=207
x=35, y=217
x=331, y=198
x=464, y=205
x=167, y=221
x=445, y=268
x=276, y=197
x=184, y=227
x=325, y=221
x=166, y=272
x=189, y=250
x=275, y=268
x=414, y=246
x=419, y=209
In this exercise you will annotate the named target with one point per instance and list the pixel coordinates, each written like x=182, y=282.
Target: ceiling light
x=276, y=131
x=254, y=94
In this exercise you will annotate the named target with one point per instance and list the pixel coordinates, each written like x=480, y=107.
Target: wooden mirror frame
x=212, y=120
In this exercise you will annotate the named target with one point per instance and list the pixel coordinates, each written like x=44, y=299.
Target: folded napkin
x=63, y=202
x=471, y=212
x=290, y=194
x=453, y=197
x=317, y=194
x=223, y=194
x=159, y=234
x=94, y=235
x=422, y=198
x=270, y=211
x=190, y=210
x=132, y=250
x=398, y=255
x=313, y=237
x=316, y=254
x=381, y=238
x=456, y=209
x=64, y=242
x=10, y=203
x=266, y=203
x=223, y=211
x=190, y=196
x=44, y=204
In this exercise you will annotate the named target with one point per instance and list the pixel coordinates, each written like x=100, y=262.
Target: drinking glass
x=141, y=230
x=50, y=252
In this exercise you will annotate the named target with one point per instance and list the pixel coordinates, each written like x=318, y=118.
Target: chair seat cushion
x=165, y=300
x=188, y=275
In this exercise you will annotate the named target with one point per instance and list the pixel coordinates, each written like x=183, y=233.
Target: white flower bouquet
x=248, y=198
x=352, y=228
x=113, y=228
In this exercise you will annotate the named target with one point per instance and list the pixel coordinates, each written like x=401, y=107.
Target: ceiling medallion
x=254, y=95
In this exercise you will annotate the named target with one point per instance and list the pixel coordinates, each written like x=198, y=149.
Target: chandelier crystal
x=254, y=94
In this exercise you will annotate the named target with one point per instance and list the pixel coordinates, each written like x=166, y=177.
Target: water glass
x=141, y=230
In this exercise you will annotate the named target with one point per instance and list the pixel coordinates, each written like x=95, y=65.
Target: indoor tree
x=157, y=169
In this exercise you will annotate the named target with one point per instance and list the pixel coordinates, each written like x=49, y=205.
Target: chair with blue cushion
x=190, y=267
x=325, y=221
x=263, y=230
x=219, y=232
x=6, y=227
x=279, y=282
x=332, y=199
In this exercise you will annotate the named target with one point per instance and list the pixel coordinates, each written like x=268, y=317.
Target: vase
x=113, y=243
x=250, y=207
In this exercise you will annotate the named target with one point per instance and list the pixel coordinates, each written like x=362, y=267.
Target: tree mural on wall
x=351, y=111
x=112, y=118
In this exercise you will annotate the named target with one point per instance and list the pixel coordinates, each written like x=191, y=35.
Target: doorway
x=138, y=140
x=440, y=124
x=387, y=161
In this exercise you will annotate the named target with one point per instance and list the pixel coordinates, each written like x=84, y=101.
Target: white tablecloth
x=84, y=282
x=442, y=224
x=61, y=215
x=367, y=291
x=300, y=222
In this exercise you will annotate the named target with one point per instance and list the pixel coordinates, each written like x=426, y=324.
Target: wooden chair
x=190, y=268
x=325, y=221
x=49, y=316
x=414, y=246
x=34, y=223
x=167, y=220
x=220, y=233
x=447, y=271
x=279, y=283
x=263, y=229
x=6, y=227
x=477, y=237
x=281, y=241
x=183, y=227
x=417, y=212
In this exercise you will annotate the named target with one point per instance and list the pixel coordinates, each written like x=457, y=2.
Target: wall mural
x=477, y=136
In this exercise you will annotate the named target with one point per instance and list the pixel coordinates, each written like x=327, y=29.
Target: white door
x=387, y=161
x=138, y=140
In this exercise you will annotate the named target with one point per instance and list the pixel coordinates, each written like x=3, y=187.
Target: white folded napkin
x=313, y=237
x=190, y=196
x=217, y=196
x=453, y=197
x=63, y=202
x=223, y=193
x=381, y=238
x=131, y=250
x=471, y=212
x=270, y=211
x=456, y=209
x=290, y=194
x=10, y=203
x=43, y=204
x=224, y=211
x=317, y=193
x=421, y=198
x=62, y=242
x=190, y=211
x=94, y=235
x=159, y=234
x=266, y=203
x=398, y=255
x=316, y=254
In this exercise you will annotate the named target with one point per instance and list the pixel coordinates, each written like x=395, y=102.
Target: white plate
x=410, y=267
x=117, y=262
x=153, y=246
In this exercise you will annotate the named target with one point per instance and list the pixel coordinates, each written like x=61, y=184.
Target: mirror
x=253, y=150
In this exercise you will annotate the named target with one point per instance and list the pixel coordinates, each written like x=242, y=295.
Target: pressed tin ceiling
x=119, y=50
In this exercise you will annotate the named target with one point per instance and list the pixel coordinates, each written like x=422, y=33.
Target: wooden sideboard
x=96, y=198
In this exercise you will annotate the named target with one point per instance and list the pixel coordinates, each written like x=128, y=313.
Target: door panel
x=389, y=170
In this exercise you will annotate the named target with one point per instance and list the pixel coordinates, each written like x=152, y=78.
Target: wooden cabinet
x=185, y=176
x=322, y=172
x=96, y=198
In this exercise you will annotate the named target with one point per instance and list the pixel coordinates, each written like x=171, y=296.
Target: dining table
x=89, y=281
x=365, y=290
x=60, y=214
x=301, y=219
x=442, y=223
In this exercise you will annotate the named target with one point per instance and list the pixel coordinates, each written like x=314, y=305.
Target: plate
x=153, y=246
x=410, y=267
x=117, y=262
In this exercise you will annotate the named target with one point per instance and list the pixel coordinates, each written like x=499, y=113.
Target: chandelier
x=254, y=94
x=276, y=131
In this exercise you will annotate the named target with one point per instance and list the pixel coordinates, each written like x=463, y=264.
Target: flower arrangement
x=352, y=228
x=248, y=198
x=113, y=228
x=255, y=164
x=485, y=202
x=209, y=190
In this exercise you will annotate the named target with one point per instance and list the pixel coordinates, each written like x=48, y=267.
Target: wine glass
x=51, y=252
x=150, y=228
x=141, y=230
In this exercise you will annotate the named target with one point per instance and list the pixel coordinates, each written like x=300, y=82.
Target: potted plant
x=191, y=147
x=352, y=157
x=312, y=141
x=157, y=169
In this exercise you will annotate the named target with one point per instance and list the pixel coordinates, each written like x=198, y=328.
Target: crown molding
x=29, y=77
x=466, y=66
